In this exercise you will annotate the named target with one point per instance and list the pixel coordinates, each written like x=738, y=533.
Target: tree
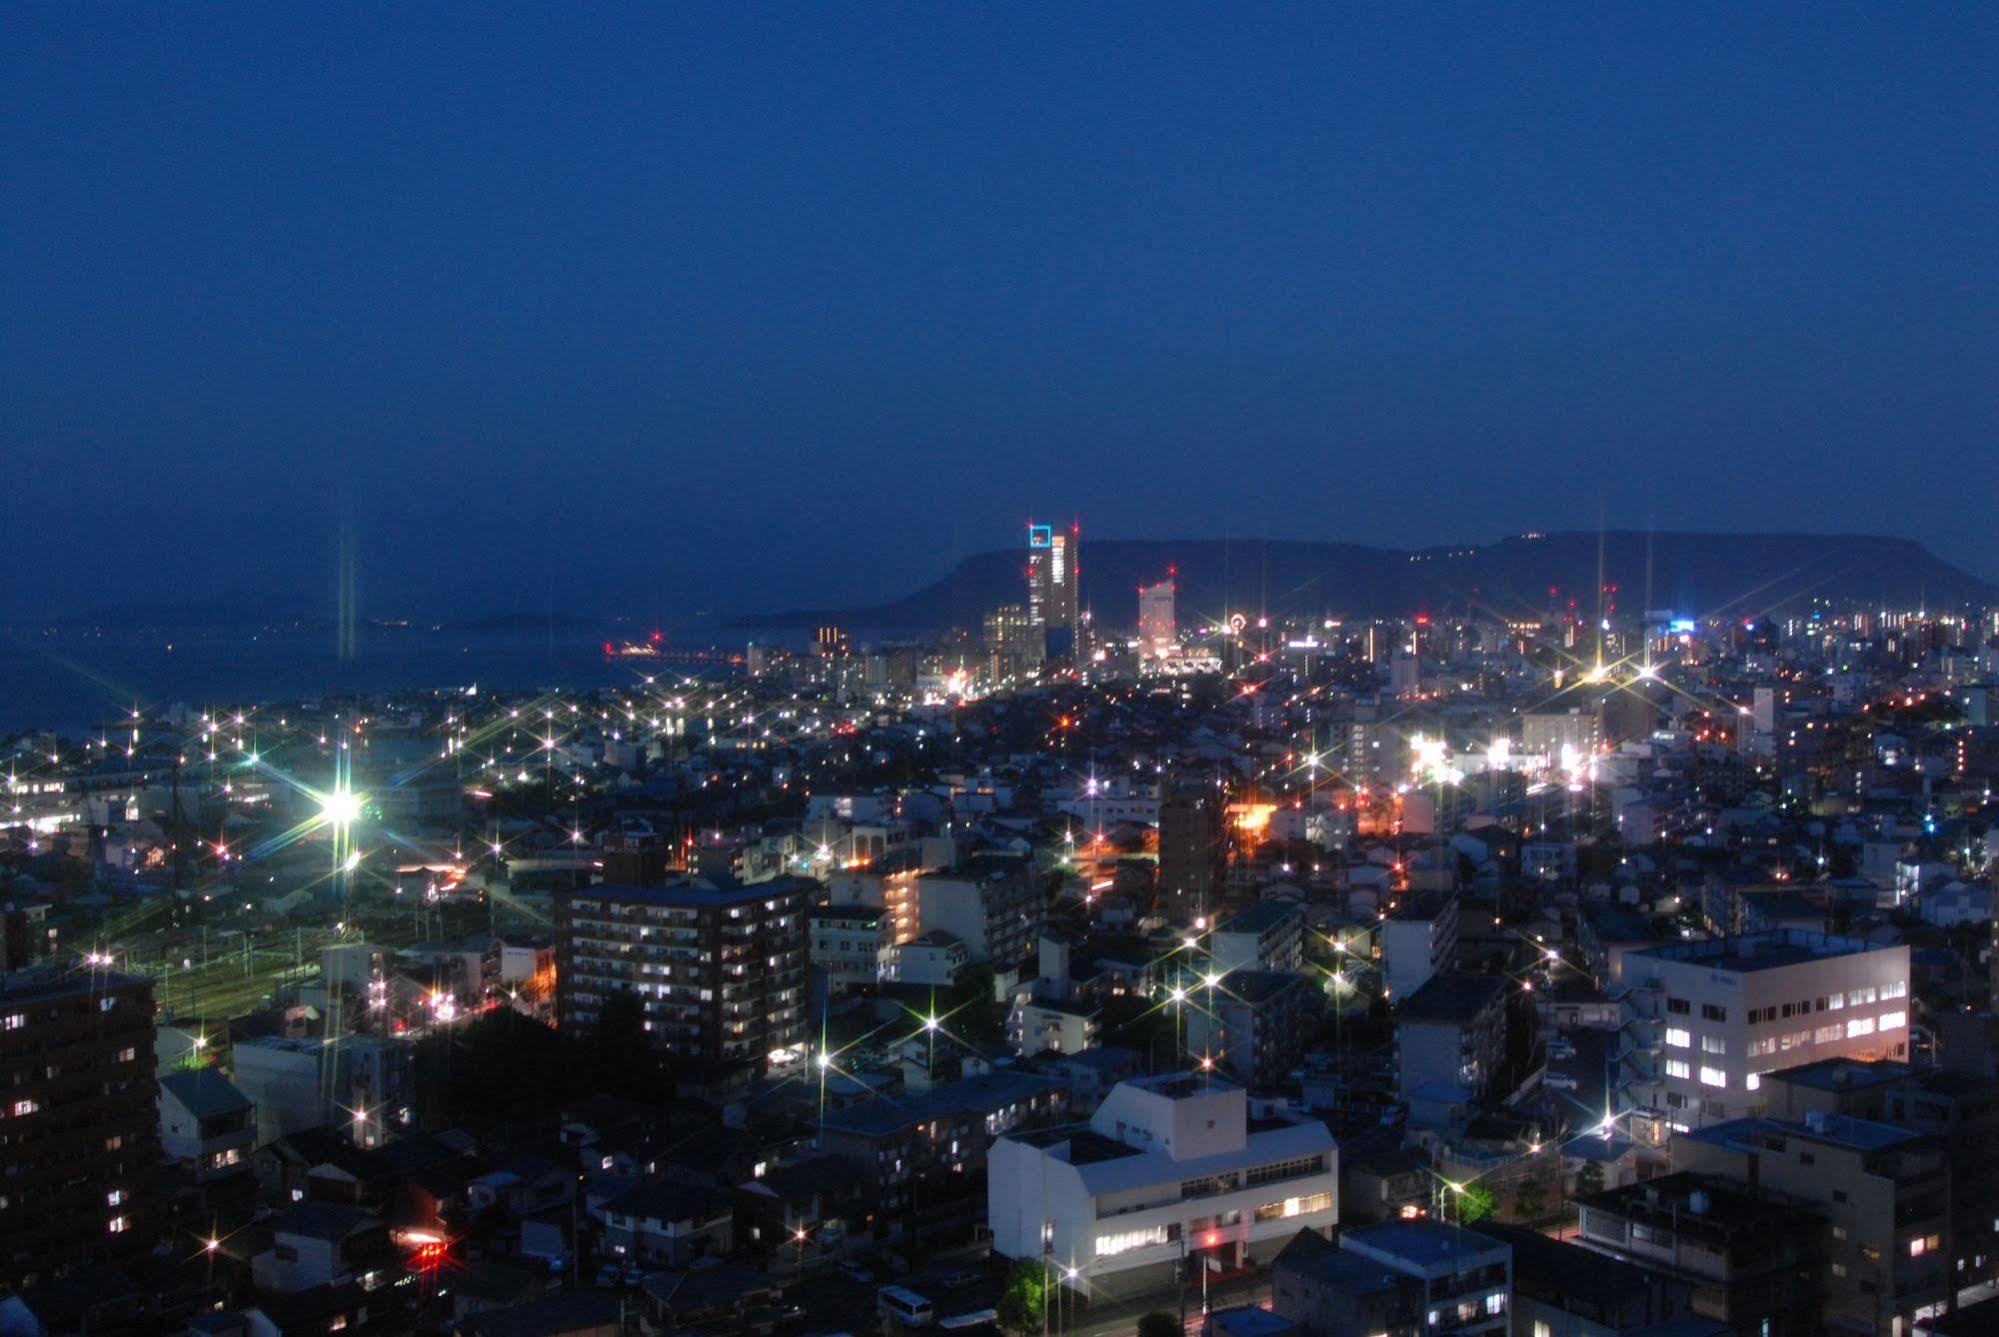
x=1025, y=1297
x=1530, y=1200
x=1589, y=1179
x=1474, y=1203
x=1158, y=1324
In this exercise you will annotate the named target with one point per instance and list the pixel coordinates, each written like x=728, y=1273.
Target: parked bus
x=905, y=1306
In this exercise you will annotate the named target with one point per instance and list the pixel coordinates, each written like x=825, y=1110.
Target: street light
x=341, y=808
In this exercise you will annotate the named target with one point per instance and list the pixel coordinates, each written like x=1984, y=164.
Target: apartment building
x=1881, y=1193
x=1170, y=1172
x=717, y=966
x=1450, y=1040
x=992, y=905
x=1269, y=935
x=1419, y=939
x=1748, y=1254
x=1716, y=1015
x=1960, y=1109
x=852, y=944
x=1253, y=1025
x=79, y=1124
x=1464, y=1279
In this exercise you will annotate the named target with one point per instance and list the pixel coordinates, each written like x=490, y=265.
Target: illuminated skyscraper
x=1052, y=606
x=1158, y=634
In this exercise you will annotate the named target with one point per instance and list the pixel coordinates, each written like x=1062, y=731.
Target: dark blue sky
x=701, y=306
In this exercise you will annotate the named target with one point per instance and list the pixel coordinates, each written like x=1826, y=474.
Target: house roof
x=205, y=1093
x=659, y=1200
x=1313, y=1255
x=321, y=1220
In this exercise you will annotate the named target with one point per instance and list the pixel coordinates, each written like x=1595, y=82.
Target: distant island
x=1749, y=574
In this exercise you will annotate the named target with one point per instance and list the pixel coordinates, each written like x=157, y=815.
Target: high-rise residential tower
x=1052, y=605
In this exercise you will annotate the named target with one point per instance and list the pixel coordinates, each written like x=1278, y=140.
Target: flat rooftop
x=49, y=980
x=1727, y=1208
x=1424, y=1243
x=693, y=891
x=985, y=1094
x=1451, y=998
x=1837, y=1129
x=1840, y=1074
x=1749, y=952
x=1258, y=918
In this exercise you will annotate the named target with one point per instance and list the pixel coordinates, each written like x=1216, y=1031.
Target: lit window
x=1713, y=1044
x=1893, y=1021
x=114, y=1198
x=1679, y=1067
x=24, y=1107
x=1753, y=1081
x=1858, y=1027
x=14, y=1021
x=117, y=1225
x=1678, y=1038
x=1713, y=1077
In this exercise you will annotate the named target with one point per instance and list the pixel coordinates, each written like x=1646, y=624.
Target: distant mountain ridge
x=1691, y=573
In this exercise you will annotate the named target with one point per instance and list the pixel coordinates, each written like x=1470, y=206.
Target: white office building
x=1717, y=1014
x=1170, y=1172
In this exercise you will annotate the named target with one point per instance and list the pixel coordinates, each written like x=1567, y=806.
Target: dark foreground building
x=79, y=1121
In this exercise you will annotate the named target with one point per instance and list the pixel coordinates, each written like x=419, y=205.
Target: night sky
x=687, y=307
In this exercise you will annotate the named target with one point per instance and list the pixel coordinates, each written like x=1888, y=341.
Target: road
x=1120, y=1319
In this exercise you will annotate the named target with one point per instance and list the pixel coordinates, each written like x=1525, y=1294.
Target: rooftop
x=981, y=1095
x=1258, y=918
x=1452, y=998
x=705, y=890
x=1260, y=986
x=1180, y=1085
x=863, y=914
x=1547, y=1266
x=1424, y=1243
x=1313, y=1255
x=1836, y=1129
x=1749, y=952
x=1726, y=1208
x=205, y=1093
x=53, y=981
x=1840, y=1074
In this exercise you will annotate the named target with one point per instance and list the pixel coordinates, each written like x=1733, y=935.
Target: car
x=1562, y=1081
x=608, y=1275
x=854, y=1271
x=964, y=1276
